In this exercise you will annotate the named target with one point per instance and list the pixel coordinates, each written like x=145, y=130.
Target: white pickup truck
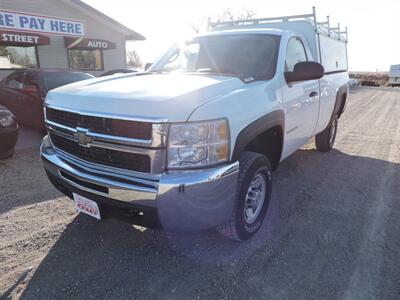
x=192, y=142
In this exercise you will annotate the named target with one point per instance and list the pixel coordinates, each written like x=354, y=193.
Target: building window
x=14, y=57
x=85, y=59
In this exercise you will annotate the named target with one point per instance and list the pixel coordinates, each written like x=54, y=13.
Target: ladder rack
x=320, y=27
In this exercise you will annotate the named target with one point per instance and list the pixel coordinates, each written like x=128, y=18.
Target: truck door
x=300, y=101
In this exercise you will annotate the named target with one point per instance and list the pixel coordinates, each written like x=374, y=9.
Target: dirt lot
x=332, y=230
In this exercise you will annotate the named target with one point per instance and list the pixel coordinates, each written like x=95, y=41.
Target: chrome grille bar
x=154, y=148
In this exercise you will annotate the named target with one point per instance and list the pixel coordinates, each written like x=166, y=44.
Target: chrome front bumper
x=184, y=199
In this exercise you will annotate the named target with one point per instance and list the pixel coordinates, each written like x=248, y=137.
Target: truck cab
x=192, y=142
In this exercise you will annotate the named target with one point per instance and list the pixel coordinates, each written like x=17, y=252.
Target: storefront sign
x=33, y=23
x=86, y=43
x=14, y=38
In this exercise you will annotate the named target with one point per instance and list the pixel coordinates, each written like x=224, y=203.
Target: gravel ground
x=332, y=230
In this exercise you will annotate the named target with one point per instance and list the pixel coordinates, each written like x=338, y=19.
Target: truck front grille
x=103, y=156
x=115, y=127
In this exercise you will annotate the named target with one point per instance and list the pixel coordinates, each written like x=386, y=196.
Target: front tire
x=253, y=193
x=325, y=140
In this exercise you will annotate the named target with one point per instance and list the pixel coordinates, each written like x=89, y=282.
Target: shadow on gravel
x=7, y=293
x=309, y=245
x=23, y=181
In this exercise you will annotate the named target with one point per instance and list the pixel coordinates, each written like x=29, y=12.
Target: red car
x=23, y=92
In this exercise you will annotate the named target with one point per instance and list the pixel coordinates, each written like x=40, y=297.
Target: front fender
x=250, y=132
x=245, y=107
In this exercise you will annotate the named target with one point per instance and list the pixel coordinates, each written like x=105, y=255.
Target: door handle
x=313, y=94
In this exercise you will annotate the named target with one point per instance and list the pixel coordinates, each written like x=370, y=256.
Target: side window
x=295, y=53
x=15, y=80
x=31, y=80
x=31, y=84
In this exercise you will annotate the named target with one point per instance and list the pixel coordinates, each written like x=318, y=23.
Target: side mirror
x=147, y=66
x=307, y=70
x=30, y=89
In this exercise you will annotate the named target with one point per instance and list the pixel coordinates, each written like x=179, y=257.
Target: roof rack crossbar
x=320, y=27
x=261, y=20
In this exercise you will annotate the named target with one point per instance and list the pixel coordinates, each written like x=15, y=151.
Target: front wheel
x=253, y=193
x=324, y=141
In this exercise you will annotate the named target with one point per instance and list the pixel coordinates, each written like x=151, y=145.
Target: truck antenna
x=329, y=26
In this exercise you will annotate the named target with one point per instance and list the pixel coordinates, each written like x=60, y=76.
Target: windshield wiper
x=217, y=71
x=227, y=72
x=204, y=70
x=221, y=72
x=157, y=72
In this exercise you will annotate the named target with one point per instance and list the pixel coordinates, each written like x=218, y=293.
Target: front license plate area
x=87, y=206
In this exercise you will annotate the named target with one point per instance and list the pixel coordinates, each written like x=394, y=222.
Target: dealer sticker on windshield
x=87, y=206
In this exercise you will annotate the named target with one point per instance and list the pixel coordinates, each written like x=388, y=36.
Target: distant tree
x=226, y=15
x=134, y=59
x=199, y=25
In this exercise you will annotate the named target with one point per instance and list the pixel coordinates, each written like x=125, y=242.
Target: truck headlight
x=196, y=144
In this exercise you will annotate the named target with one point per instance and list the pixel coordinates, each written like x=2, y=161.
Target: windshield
x=54, y=80
x=243, y=55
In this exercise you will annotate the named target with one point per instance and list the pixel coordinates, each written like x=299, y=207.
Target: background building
x=66, y=34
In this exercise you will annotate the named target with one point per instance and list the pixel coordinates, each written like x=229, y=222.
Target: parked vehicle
x=8, y=132
x=353, y=82
x=23, y=92
x=119, y=71
x=369, y=83
x=192, y=143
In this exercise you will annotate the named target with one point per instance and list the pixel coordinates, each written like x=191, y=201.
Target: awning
x=87, y=43
x=16, y=38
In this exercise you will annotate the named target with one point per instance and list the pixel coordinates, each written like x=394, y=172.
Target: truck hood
x=169, y=97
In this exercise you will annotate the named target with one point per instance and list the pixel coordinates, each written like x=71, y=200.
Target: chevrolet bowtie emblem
x=82, y=137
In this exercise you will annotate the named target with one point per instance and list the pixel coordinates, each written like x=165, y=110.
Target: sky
x=373, y=25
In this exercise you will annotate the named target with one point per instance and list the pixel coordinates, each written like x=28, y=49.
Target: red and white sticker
x=87, y=206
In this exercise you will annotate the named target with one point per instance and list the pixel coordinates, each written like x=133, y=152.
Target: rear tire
x=325, y=140
x=253, y=193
